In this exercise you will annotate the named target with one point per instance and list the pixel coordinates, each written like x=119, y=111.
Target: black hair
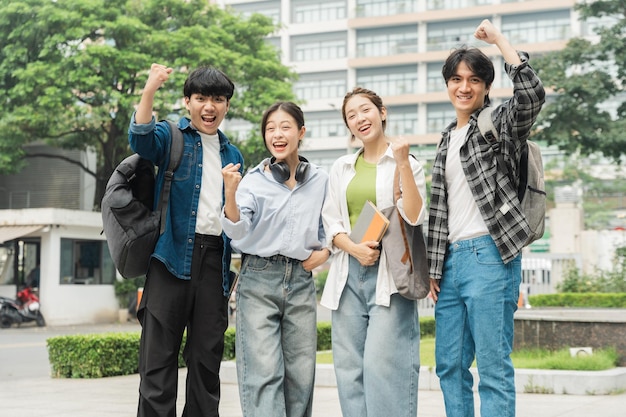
x=288, y=107
x=209, y=82
x=476, y=61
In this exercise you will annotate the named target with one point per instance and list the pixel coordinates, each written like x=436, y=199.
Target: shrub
x=110, y=354
x=597, y=300
x=94, y=355
x=320, y=281
x=229, y=344
x=126, y=290
x=612, y=281
x=107, y=354
x=427, y=327
x=323, y=336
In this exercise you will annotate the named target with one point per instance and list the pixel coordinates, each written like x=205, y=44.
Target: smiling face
x=207, y=112
x=467, y=91
x=364, y=118
x=282, y=135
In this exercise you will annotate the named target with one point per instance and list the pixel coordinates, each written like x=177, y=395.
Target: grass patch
x=561, y=359
x=601, y=359
x=325, y=357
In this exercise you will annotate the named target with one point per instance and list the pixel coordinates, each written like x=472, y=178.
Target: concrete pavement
x=36, y=394
x=117, y=396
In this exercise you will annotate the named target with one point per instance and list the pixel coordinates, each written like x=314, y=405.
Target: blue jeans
x=474, y=318
x=276, y=337
x=375, y=349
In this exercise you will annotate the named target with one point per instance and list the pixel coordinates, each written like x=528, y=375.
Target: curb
x=528, y=381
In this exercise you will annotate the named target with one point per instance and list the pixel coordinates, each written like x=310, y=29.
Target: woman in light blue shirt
x=273, y=216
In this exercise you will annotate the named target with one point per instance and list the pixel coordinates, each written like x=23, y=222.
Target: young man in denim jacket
x=189, y=274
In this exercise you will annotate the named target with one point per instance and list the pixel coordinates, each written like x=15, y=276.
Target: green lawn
x=532, y=359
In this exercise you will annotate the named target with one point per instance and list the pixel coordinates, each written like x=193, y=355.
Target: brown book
x=371, y=224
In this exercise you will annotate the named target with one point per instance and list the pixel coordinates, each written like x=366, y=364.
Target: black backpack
x=130, y=225
x=531, y=189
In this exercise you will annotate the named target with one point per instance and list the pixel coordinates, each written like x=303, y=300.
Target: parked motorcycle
x=22, y=310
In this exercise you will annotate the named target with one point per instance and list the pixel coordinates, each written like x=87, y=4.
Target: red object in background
x=27, y=296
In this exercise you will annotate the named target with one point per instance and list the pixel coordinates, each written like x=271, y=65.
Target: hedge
x=107, y=354
x=576, y=299
x=110, y=354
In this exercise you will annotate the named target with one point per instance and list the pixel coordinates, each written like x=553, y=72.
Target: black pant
x=168, y=306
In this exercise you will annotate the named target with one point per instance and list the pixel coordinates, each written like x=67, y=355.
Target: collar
x=185, y=125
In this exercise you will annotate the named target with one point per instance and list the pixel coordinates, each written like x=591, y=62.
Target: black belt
x=207, y=240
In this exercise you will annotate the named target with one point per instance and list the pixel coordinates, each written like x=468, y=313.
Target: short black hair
x=476, y=61
x=208, y=81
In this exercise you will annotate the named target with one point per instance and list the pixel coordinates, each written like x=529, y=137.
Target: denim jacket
x=175, y=246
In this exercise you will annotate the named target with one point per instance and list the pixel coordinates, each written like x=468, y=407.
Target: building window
x=451, y=34
x=86, y=262
x=593, y=24
x=537, y=27
x=387, y=41
x=305, y=12
x=368, y=8
x=505, y=80
x=326, y=46
x=435, y=81
x=269, y=9
x=456, y=4
x=439, y=116
x=402, y=120
x=392, y=81
x=238, y=129
x=325, y=125
x=317, y=86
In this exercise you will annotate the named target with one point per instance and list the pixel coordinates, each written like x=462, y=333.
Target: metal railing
x=541, y=273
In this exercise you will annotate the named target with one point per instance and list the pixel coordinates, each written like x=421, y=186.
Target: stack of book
x=371, y=224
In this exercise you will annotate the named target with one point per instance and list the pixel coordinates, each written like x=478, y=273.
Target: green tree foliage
x=587, y=74
x=71, y=71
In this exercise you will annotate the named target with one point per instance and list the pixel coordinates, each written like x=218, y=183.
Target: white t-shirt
x=210, y=204
x=464, y=218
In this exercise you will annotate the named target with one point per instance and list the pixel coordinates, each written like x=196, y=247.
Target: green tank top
x=361, y=188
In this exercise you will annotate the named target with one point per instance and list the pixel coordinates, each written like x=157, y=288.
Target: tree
x=587, y=75
x=71, y=71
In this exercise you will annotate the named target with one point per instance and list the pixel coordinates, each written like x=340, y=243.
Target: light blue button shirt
x=275, y=220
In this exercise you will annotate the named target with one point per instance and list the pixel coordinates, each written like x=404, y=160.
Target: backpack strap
x=486, y=127
x=490, y=133
x=176, y=154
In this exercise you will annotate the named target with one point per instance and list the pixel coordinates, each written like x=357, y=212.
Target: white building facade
x=396, y=48
x=76, y=272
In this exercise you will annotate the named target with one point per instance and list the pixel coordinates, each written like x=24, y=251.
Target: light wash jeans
x=276, y=337
x=375, y=349
x=474, y=317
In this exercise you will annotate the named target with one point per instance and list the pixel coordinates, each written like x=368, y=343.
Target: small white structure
x=76, y=271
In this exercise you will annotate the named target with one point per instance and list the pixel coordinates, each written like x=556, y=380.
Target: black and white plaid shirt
x=493, y=192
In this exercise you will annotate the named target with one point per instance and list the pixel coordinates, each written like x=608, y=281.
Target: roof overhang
x=8, y=233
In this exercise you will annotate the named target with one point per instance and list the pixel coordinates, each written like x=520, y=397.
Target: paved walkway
x=117, y=396
x=33, y=393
